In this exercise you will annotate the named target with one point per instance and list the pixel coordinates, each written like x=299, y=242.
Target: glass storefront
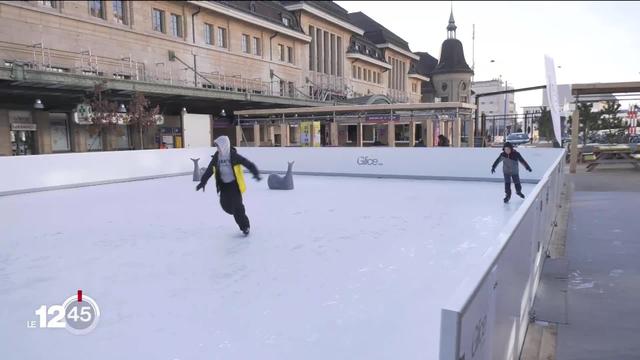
x=23, y=133
x=23, y=142
x=59, y=128
x=94, y=141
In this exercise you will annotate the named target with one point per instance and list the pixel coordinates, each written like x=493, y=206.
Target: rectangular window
x=312, y=48
x=353, y=71
x=245, y=44
x=339, y=55
x=158, y=20
x=280, y=52
x=332, y=60
x=326, y=53
x=290, y=54
x=50, y=4
x=208, y=34
x=120, y=12
x=96, y=8
x=319, y=47
x=375, y=77
x=176, y=25
x=257, y=46
x=359, y=73
x=369, y=75
x=222, y=37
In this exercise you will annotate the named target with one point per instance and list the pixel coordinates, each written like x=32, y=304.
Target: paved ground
x=591, y=296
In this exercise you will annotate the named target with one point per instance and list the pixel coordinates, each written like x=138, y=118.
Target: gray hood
x=224, y=146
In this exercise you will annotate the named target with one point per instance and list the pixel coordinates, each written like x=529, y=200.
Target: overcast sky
x=591, y=41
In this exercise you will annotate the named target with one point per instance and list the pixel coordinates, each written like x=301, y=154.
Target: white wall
x=197, y=130
x=38, y=172
x=492, y=321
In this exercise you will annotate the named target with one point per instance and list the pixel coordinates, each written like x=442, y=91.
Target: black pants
x=231, y=202
x=507, y=184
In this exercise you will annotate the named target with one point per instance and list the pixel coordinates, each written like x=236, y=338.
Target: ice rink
x=339, y=268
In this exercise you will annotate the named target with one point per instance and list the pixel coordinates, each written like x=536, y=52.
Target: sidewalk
x=590, y=295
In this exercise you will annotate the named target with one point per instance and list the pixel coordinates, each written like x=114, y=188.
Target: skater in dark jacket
x=227, y=164
x=510, y=159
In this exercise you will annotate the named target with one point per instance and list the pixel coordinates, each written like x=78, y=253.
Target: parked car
x=518, y=138
x=634, y=139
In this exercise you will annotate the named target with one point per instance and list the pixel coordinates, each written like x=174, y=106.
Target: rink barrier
x=488, y=318
x=23, y=174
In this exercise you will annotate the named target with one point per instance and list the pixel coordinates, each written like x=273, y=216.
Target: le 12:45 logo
x=79, y=314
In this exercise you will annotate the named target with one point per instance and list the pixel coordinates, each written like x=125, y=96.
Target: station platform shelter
x=401, y=125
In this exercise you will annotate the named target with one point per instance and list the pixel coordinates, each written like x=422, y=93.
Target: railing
x=87, y=62
x=325, y=87
x=398, y=95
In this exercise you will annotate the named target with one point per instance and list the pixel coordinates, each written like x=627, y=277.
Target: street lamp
x=38, y=104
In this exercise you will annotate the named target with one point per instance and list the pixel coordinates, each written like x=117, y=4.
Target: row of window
x=366, y=74
x=97, y=8
x=220, y=36
x=158, y=23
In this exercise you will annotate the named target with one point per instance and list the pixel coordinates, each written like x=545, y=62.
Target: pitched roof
x=375, y=32
x=271, y=11
x=425, y=65
x=329, y=7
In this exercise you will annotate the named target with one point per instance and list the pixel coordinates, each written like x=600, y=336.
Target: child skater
x=227, y=164
x=510, y=159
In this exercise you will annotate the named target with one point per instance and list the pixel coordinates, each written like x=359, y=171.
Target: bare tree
x=104, y=116
x=142, y=115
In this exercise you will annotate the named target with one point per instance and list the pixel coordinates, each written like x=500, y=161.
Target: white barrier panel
x=492, y=322
x=41, y=172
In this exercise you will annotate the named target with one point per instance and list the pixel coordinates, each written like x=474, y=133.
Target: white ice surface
x=339, y=268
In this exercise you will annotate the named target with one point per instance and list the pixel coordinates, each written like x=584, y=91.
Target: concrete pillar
x=333, y=131
x=239, y=135
x=428, y=132
x=359, y=135
x=412, y=133
x=5, y=134
x=391, y=134
x=457, y=136
x=271, y=135
x=43, y=133
x=256, y=135
x=471, y=130
x=297, y=135
x=575, y=131
x=78, y=135
x=444, y=130
x=312, y=131
x=284, y=134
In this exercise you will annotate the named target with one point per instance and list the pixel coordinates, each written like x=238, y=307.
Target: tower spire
x=451, y=28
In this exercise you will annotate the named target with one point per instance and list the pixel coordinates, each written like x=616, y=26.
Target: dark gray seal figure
x=277, y=182
x=197, y=172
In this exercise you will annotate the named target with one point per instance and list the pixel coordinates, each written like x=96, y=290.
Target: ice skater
x=510, y=159
x=227, y=164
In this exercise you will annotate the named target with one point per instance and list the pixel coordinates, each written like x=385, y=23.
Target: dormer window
x=286, y=21
x=252, y=6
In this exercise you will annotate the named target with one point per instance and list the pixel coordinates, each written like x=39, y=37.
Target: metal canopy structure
x=592, y=90
x=336, y=112
x=453, y=118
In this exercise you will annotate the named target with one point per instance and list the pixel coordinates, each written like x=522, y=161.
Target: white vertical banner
x=552, y=96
